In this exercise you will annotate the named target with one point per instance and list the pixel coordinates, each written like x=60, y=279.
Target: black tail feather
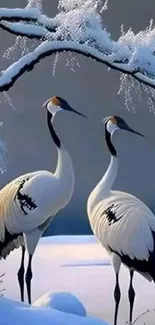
x=11, y=242
x=141, y=266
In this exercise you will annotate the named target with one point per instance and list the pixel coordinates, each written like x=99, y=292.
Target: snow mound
x=62, y=301
x=13, y=314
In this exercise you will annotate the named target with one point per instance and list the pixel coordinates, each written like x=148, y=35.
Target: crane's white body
x=29, y=203
x=49, y=192
x=121, y=222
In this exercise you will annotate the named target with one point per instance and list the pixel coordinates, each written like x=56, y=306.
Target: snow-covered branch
x=26, y=14
x=27, y=62
x=30, y=16
x=78, y=28
x=21, y=29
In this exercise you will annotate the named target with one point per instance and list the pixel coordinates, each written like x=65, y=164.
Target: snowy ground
x=81, y=266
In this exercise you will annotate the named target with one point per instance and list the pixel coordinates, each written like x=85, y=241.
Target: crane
x=123, y=224
x=29, y=203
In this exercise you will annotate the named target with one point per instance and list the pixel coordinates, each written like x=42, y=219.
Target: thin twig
x=144, y=313
x=1, y=281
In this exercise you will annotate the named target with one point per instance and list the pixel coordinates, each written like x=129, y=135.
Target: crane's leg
x=31, y=241
x=28, y=278
x=131, y=294
x=20, y=274
x=117, y=293
x=117, y=296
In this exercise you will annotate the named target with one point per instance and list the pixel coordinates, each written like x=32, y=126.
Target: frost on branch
x=78, y=28
x=3, y=159
x=35, y=4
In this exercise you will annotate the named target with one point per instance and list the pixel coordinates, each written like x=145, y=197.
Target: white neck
x=64, y=173
x=103, y=188
x=64, y=164
x=108, y=179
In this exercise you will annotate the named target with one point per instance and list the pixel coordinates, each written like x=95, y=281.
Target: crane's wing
x=126, y=226
x=25, y=205
x=11, y=236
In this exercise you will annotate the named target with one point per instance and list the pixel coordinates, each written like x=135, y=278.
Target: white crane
x=29, y=203
x=123, y=224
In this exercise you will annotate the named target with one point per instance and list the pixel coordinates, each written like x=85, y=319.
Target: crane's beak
x=69, y=108
x=127, y=128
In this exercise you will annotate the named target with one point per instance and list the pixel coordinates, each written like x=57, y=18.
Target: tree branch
x=47, y=48
x=17, y=14
x=78, y=30
x=27, y=15
x=29, y=30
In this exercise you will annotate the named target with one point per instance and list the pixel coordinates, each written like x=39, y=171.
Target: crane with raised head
x=123, y=224
x=29, y=203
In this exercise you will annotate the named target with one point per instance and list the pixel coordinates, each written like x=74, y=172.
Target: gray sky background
x=93, y=91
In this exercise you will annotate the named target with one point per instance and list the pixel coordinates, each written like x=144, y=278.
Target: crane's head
x=113, y=123
x=56, y=104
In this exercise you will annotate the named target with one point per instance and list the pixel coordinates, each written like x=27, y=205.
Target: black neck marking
x=51, y=129
x=109, y=143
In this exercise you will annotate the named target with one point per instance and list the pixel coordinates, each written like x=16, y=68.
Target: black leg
x=117, y=296
x=20, y=275
x=28, y=278
x=131, y=294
